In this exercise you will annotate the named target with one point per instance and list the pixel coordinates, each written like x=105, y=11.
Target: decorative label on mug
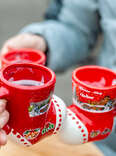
x=31, y=134
x=105, y=104
x=106, y=131
x=38, y=108
x=49, y=126
x=94, y=134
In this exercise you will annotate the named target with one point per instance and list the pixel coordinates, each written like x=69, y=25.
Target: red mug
x=91, y=116
x=28, y=89
x=23, y=56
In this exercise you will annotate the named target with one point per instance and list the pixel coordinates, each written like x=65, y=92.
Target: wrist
x=46, y=51
x=41, y=43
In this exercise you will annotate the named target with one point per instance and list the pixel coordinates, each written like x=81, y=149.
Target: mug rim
x=51, y=82
x=76, y=80
x=23, y=50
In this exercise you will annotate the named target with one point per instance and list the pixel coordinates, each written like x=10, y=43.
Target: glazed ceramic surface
x=36, y=113
x=91, y=116
x=29, y=105
x=23, y=56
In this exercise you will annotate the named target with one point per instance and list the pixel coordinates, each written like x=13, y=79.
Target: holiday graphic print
x=49, y=126
x=38, y=108
x=31, y=134
x=94, y=134
x=106, y=131
x=18, y=138
x=105, y=104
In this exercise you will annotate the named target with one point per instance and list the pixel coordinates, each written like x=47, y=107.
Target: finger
x=4, y=117
x=3, y=137
x=2, y=105
x=4, y=49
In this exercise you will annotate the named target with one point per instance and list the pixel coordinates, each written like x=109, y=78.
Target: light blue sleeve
x=72, y=35
x=107, y=55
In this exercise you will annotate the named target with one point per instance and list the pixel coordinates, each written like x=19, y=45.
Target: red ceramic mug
x=91, y=116
x=28, y=89
x=23, y=56
x=94, y=94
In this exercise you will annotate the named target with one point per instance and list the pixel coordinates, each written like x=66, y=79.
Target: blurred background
x=14, y=15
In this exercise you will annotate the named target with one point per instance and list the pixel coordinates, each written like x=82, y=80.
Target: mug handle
x=3, y=95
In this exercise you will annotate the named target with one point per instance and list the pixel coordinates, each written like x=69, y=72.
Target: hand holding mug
x=25, y=40
x=34, y=112
x=10, y=55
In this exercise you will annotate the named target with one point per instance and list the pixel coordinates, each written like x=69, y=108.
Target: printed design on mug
x=106, y=131
x=94, y=134
x=39, y=108
x=105, y=104
x=49, y=126
x=18, y=138
x=31, y=134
